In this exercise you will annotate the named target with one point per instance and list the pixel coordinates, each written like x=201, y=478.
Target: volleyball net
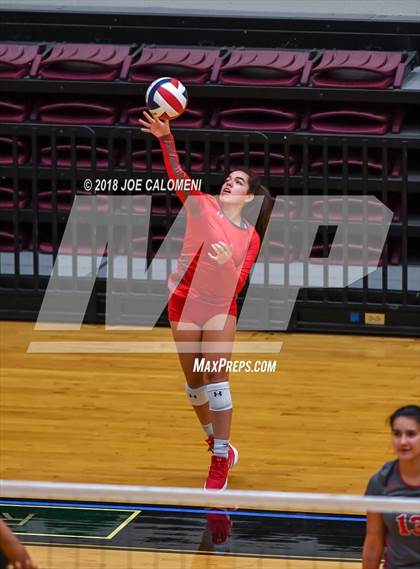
x=94, y=526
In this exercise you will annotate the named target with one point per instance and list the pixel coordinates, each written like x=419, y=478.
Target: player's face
x=406, y=438
x=235, y=189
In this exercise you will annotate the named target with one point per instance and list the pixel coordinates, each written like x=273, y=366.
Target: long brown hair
x=257, y=188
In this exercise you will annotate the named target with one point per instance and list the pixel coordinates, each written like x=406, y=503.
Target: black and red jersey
x=402, y=530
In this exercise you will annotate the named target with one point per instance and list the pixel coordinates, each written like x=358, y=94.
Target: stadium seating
x=279, y=68
x=359, y=69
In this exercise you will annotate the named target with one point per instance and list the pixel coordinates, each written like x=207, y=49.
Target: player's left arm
x=249, y=261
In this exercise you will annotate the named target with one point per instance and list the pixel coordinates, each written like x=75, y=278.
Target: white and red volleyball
x=166, y=98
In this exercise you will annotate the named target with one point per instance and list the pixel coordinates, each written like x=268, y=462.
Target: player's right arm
x=161, y=130
x=14, y=550
x=373, y=545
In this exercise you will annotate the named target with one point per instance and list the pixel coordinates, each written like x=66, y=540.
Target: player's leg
x=195, y=386
x=220, y=400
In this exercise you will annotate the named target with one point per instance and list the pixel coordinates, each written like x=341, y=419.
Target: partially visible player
x=13, y=550
x=396, y=537
x=203, y=294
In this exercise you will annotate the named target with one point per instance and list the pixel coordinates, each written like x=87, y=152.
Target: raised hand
x=223, y=252
x=154, y=126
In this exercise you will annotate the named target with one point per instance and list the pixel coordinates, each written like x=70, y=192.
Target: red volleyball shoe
x=233, y=454
x=218, y=474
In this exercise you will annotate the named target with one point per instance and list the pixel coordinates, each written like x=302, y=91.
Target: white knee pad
x=219, y=396
x=197, y=396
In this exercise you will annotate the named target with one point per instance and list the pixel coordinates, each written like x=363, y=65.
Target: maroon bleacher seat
x=64, y=200
x=187, y=64
x=280, y=209
x=270, y=68
x=83, y=156
x=355, y=254
x=160, y=206
x=175, y=243
x=90, y=62
x=256, y=117
x=131, y=114
x=81, y=248
x=77, y=112
x=276, y=162
x=192, y=117
x=359, y=69
x=354, y=120
x=7, y=198
x=335, y=210
x=278, y=252
x=137, y=244
x=139, y=160
x=16, y=60
x=100, y=204
x=394, y=253
x=7, y=239
x=394, y=204
x=6, y=151
x=375, y=165
x=13, y=110
x=134, y=202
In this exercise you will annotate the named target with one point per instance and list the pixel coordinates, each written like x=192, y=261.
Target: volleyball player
x=13, y=550
x=397, y=536
x=231, y=245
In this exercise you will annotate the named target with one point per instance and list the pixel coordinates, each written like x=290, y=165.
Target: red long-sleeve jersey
x=197, y=274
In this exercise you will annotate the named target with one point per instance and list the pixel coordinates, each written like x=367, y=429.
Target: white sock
x=208, y=429
x=221, y=447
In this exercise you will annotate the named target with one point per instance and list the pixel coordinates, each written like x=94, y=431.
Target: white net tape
x=109, y=526
x=196, y=497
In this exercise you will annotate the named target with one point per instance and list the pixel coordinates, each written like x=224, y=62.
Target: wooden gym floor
x=317, y=424
x=76, y=558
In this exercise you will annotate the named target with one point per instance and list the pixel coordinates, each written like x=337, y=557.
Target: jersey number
x=403, y=524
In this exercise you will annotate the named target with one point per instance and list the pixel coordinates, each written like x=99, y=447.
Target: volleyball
x=166, y=98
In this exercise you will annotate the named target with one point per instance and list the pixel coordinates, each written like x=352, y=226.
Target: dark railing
x=37, y=231
x=32, y=232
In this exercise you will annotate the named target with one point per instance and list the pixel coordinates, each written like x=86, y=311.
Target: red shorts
x=199, y=311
